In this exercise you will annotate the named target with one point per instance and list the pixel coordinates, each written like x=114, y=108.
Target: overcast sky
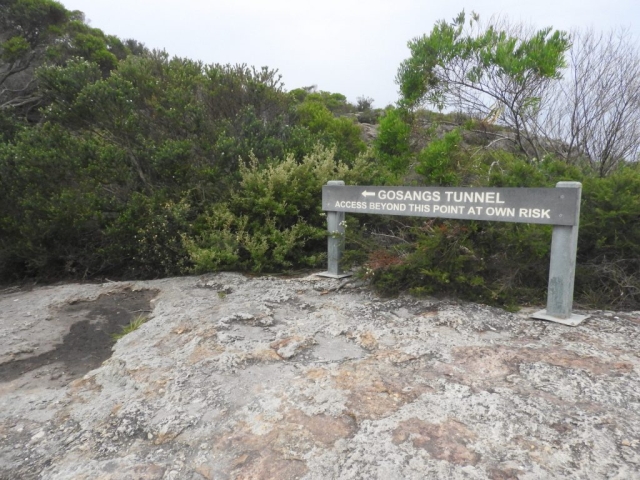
x=352, y=47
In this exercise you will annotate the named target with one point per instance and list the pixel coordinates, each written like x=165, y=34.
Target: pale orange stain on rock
x=487, y=363
x=368, y=341
x=317, y=373
x=376, y=389
x=279, y=453
x=447, y=441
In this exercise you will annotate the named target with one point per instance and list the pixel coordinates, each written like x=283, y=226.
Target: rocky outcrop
x=369, y=132
x=259, y=378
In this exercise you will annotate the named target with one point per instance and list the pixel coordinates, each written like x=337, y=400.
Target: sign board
x=549, y=206
x=558, y=206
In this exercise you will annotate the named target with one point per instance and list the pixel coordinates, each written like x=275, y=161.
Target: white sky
x=353, y=47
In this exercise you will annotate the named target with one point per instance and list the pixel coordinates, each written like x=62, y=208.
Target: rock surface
x=263, y=378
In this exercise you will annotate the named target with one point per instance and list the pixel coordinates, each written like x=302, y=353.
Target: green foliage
x=299, y=94
x=341, y=132
x=496, y=73
x=273, y=221
x=440, y=260
x=14, y=48
x=365, y=111
x=392, y=142
x=134, y=325
x=35, y=19
x=95, y=49
x=123, y=165
x=481, y=56
x=43, y=32
x=336, y=103
x=62, y=85
x=438, y=161
x=89, y=43
x=112, y=179
x=69, y=209
x=507, y=264
x=509, y=170
x=481, y=261
x=612, y=205
x=48, y=209
x=175, y=121
x=609, y=241
x=472, y=260
x=9, y=126
x=145, y=239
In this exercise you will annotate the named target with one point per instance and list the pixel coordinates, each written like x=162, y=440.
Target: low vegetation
x=132, y=326
x=119, y=161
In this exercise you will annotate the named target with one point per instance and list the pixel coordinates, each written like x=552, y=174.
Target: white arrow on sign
x=368, y=194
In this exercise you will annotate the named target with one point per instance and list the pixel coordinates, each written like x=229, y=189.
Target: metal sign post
x=562, y=269
x=558, y=206
x=335, y=227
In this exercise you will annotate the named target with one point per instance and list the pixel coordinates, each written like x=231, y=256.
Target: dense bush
x=50, y=208
x=342, y=132
x=609, y=242
x=392, y=143
x=43, y=32
x=129, y=163
x=273, y=221
x=439, y=162
x=123, y=164
x=492, y=262
x=507, y=263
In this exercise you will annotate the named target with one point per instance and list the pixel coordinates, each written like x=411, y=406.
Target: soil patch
x=90, y=338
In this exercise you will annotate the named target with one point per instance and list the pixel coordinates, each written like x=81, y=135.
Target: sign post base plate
x=573, y=321
x=333, y=275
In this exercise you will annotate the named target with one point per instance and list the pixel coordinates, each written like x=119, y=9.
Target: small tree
x=594, y=114
x=36, y=33
x=496, y=73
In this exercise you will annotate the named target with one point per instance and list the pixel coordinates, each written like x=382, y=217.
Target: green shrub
x=341, y=132
x=145, y=239
x=50, y=206
x=608, y=272
x=392, y=143
x=491, y=262
x=508, y=263
x=439, y=162
x=336, y=103
x=70, y=208
x=274, y=220
x=365, y=111
x=509, y=170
